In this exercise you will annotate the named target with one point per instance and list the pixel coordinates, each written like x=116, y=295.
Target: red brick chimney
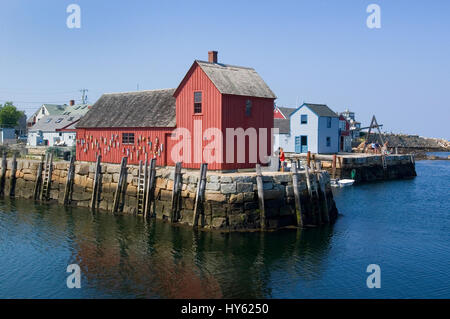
x=212, y=56
x=72, y=102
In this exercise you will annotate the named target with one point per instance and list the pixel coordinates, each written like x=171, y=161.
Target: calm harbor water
x=403, y=226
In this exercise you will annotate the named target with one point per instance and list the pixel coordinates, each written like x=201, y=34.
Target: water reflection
x=124, y=256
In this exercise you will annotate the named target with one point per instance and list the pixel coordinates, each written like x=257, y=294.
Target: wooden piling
x=150, y=188
x=118, y=193
x=12, y=188
x=316, y=199
x=38, y=183
x=333, y=167
x=325, y=212
x=340, y=167
x=298, y=206
x=308, y=181
x=176, y=193
x=308, y=158
x=69, y=181
x=199, y=197
x=3, y=176
x=96, y=184
x=260, y=185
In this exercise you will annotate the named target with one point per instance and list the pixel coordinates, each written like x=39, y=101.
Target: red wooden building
x=140, y=124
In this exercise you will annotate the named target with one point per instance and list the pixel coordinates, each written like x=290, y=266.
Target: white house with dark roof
x=312, y=127
x=53, y=130
x=281, y=122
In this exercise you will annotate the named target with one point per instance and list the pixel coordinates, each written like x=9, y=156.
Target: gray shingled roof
x=134, y=109
x=51, y=123
x=236, y=80
x=287, y=111
x=321, y=110
x=283, y=125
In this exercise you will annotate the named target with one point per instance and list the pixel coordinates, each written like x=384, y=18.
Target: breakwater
x=231, y=201
x=363, y=167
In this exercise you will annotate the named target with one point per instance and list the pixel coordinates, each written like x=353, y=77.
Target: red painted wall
x=233, y=108
x=218, y=111
x=90, y=143
x=196, y=80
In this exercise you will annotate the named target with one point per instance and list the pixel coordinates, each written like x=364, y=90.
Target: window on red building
x=127, y=138
x=197, y=102
x=248, y=108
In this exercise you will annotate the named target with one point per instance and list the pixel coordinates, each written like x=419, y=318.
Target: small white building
x=54, y=130
x=311, y=127
x=7, y=136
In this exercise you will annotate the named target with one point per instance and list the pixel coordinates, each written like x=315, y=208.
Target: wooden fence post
x=176, y=193
x=199, y=197
x=260, y=185
x=3, y=176
x=298, y=205
x=12, y=188
x=150, y=188
x=96, y=184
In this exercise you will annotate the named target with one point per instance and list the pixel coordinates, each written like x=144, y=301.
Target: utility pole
x=84, y=96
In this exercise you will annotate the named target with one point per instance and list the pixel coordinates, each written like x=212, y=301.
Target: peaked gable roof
x=52, y=123
x=154, y=108
x=286, y=111
x=234, y=80
x=79, y=109
x=319, y=109
x=283, y=125
x=55, y=109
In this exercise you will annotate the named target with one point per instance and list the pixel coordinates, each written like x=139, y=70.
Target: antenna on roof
x=84, y=96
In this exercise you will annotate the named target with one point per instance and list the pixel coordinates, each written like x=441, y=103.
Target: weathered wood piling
x=12, y=187
x=118, y=196
x=200, y=195
x=176, y=193
x=298, y=204
x=68, y=190
x=96, y=188
x=3, y=175
x=261, y=203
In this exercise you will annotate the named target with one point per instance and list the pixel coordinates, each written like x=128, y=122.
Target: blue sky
x=312, y=51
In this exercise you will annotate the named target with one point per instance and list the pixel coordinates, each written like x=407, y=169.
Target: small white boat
x=334, y=183
x=346, y=182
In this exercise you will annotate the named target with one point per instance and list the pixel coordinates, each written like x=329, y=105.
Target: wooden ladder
x=142, y=189
x=48, y=169
x=383, y=160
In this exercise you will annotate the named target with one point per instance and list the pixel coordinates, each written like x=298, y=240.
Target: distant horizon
x=305, y=51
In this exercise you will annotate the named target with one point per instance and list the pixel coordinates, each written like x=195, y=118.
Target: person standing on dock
x=282, y=158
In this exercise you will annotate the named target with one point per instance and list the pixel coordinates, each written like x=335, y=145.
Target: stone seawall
x=231, y=200
x=366, y=167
